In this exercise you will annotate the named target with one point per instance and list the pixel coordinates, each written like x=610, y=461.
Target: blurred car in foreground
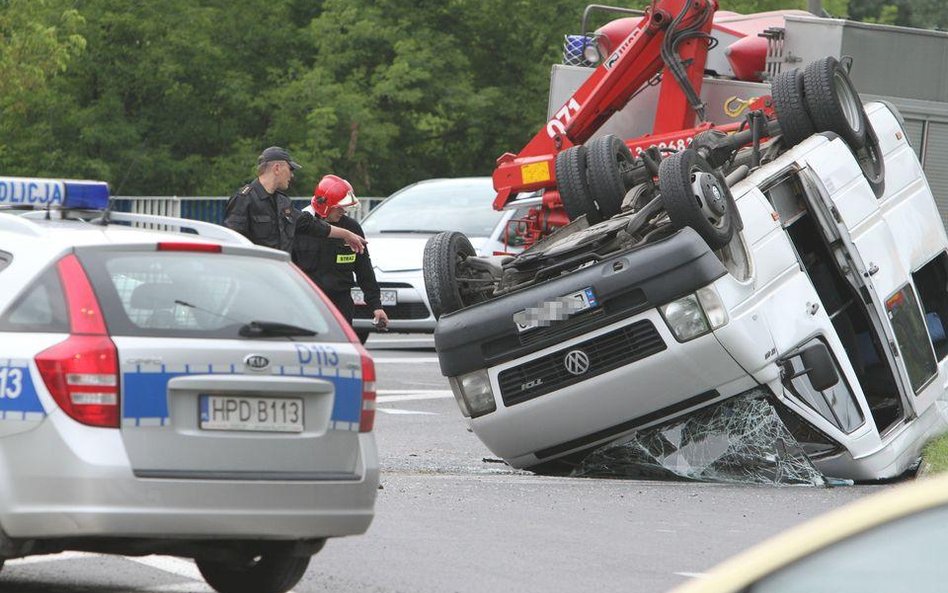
x=890, y=541
x=155, y=398
x=399, y=227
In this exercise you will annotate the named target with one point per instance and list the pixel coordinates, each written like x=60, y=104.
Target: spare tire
x=608, y=160
x=787, y=92
x=572, y=183
x=446, y=276
x=695, y=196
x=833, y=103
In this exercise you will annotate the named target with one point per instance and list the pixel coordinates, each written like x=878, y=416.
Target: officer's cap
x=275, y=153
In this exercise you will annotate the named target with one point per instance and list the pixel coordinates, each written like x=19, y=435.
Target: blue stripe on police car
x=17, y=392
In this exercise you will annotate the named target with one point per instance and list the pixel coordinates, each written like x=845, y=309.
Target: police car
x=174, y=390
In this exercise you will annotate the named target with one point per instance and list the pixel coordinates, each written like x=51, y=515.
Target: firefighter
x=261, y=211
x=331, y=263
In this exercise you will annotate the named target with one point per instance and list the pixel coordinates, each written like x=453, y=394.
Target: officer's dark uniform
x=331, y=264
x=270, y=219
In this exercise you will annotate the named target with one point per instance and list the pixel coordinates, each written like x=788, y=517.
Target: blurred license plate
x=556, y=310
x=389, y=298
x=263, y=414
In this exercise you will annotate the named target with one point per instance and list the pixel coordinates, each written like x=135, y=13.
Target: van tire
x=790, y=105
x=833, y=103
x=442, y=268
x=714, y=218
x=270, y=574
x=573, y=185
x=607, y=159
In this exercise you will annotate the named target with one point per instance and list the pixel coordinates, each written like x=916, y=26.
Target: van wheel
x=362, y=334
x=871, y=161
x=609, y=160
x=451, y=284
x=787, y=92
x=573, y=186
x=833, y=102
x=264, y=574
x=695, y=196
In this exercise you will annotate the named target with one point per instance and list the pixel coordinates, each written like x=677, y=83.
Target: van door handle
x=873, y=269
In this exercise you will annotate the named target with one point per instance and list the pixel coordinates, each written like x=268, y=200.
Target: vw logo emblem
x=256, y=362
x=576, y=362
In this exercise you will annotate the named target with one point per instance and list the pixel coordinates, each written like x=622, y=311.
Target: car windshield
x=444, y=205
x=206, y=295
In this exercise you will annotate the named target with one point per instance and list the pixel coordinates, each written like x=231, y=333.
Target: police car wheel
x=265, y=574
x=609, y=162
x=695, y=196
x=790, y=106
x=451, y=285
x=573, y=184
x=833, y=103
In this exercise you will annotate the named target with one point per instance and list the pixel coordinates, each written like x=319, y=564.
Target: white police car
x=182, y=393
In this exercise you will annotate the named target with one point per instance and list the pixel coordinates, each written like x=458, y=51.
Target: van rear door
x=868, y=227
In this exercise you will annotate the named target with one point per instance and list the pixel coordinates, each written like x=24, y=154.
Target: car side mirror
x=819, y=367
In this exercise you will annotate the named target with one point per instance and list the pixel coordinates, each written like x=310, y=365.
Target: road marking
x=406, y=360
x=407, y=395
x=691, y=575
x=179, y=588
x=49, y=558
x=397, y=411
x=177, y=566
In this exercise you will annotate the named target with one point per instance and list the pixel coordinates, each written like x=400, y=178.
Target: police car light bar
x=53, y=193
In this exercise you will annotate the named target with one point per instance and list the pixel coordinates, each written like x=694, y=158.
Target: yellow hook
x=735, y=106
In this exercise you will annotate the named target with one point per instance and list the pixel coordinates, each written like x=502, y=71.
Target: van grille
x=606, y=352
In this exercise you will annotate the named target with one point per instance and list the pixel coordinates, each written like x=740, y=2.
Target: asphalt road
x=450, y=518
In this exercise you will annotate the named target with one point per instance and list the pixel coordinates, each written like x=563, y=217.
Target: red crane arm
x=636, y=61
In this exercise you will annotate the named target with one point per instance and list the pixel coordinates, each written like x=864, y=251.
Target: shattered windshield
x=740, y=440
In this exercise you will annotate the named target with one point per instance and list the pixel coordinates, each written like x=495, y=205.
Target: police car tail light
x=82, y=373
x=367, y=419
x=82, y=376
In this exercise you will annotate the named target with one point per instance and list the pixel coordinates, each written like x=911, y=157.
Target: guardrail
x=208, y=208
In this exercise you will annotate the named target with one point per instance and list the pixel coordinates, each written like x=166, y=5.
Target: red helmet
x=332, y=191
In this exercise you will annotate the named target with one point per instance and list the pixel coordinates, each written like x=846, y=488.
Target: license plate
x=389, y=297
x=259, y=414
x=556, y=310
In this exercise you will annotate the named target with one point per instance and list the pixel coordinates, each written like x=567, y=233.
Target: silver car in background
x=156, y=399
x=399, y=227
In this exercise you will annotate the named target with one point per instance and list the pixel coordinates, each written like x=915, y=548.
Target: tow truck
x=793, y=257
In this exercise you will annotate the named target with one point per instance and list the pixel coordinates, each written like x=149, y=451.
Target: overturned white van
x=812, y=278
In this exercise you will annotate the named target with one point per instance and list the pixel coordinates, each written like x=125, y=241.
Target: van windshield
x=206, y=295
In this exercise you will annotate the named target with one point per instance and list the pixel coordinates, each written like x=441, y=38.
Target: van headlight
x=695, y=315
x=473, y=393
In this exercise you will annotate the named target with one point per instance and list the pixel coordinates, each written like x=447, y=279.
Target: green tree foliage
x=38, y=40
x=179, y=96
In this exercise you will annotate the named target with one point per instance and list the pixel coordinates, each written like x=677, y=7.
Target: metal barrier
x=208, y=208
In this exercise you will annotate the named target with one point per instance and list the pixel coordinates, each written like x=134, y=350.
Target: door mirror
x=819, y=367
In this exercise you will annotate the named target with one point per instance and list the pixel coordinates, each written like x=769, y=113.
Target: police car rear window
x=202, y=295
x=41, y=308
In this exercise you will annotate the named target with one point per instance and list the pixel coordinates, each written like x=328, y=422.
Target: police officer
x=331, y=263
x=261, y=211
